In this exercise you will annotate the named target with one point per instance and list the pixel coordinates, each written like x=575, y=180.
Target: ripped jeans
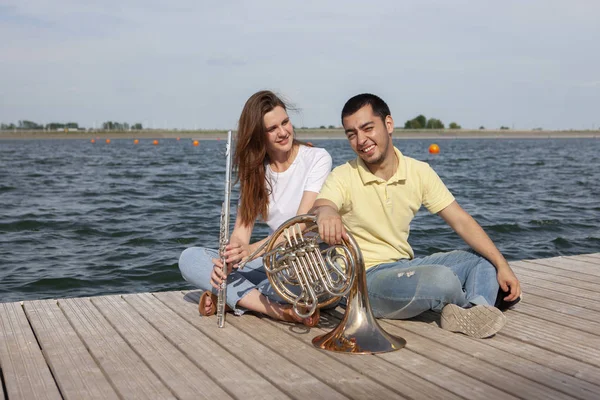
x=195, y=264
x=407, y=288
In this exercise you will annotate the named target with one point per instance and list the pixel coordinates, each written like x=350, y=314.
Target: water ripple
x=79, y=219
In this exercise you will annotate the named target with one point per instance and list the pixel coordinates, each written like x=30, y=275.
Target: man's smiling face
x=369, y=135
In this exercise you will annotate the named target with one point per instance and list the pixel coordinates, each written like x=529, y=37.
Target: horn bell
x=310, y=274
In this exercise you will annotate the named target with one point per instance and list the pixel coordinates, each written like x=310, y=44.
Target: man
x=375, y=197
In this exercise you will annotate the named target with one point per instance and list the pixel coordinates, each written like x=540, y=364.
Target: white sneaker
x=478, y=321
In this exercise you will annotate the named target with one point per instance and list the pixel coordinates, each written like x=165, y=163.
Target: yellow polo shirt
x=378, y=212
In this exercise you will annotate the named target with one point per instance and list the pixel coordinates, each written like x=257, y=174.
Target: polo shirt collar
x=368, y=177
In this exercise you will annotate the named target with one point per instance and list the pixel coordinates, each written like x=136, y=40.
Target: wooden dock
x=156, y=346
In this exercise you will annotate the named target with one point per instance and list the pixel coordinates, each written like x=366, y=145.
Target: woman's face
x=279, y=130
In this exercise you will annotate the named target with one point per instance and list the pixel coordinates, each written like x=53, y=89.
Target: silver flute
x=224, y=233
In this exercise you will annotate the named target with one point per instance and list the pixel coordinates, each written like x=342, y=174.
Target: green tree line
x=421, y=122
x=53, y=126
x=120, y=126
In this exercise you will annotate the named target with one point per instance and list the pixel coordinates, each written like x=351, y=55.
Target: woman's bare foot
x=289, y=315
x=207, y=304
x=257, y=302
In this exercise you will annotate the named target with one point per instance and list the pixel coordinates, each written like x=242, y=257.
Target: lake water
x=83, y=219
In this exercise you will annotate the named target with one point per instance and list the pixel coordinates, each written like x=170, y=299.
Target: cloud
x=591, y=84
x=225, y=62
x=196, y=62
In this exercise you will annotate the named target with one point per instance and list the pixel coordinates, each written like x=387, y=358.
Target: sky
x=192, y=64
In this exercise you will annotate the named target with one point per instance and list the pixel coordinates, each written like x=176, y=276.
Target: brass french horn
x=309, y=274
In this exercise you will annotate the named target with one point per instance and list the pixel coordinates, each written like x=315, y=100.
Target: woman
x=279, y=178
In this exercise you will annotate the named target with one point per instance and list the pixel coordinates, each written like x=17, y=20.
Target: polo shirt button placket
x=388, y=199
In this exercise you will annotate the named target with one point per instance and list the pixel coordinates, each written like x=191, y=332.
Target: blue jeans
x=407, y=288
x=195, y=264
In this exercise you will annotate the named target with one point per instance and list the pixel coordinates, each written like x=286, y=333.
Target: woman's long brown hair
x=251, y=154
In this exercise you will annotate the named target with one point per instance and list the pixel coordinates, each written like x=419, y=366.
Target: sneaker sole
x=478, y=321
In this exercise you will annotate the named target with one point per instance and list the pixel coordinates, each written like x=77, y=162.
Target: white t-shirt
x=306, y=174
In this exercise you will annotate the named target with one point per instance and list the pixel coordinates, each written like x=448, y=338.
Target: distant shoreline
x=302, y=134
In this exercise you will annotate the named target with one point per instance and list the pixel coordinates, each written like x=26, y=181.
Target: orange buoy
x=107, y=141
x=195, y=143
x=434, y=148
x=93, y=141
x=155, y=142
x=136, y=141
x=177, y=138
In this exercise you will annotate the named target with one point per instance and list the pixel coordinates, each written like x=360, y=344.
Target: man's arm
x=331, y=228
x=472, y=233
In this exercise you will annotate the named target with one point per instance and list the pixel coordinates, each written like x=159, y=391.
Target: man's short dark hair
x=380, y=108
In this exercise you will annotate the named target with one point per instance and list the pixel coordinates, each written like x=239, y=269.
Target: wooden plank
x=565, y=281
x=518, y=348
x=378, y=368
x=297, y=381
x=293, y=340
x=549, y=358
x=529, y=287
x=75, y=371
x=570, y=321
x=550, y=348
x=592, y=256
x=199, y=349
x=559, y=306
x=398, y=370
x=557, y=289
x=174, y=369
x=23, y=367
x=519, y=266
x=588, y=258
x=125, y=369
x=569, y=342
x=518, y=364
x=496, y=378
x=568, y=264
